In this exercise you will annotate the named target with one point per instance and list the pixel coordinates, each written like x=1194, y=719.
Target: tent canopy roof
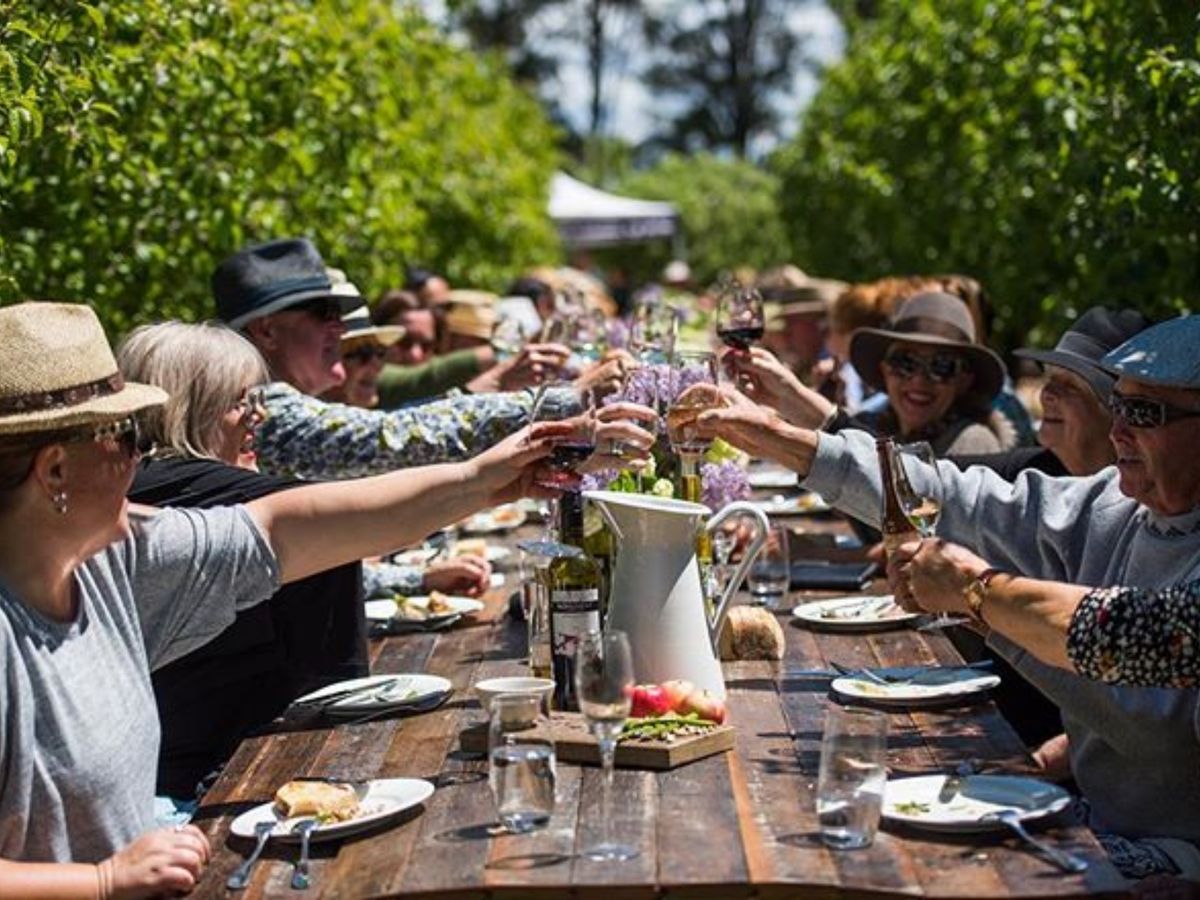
x=589, y=217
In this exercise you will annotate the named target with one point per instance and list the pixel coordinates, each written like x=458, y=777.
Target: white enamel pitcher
x=656, y=598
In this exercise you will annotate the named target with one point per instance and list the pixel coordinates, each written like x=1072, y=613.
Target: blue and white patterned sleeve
x=387, y=579
x=304, y=437
x=1142, y=637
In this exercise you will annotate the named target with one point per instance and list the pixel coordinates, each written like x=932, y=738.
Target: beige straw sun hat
x=57, y=371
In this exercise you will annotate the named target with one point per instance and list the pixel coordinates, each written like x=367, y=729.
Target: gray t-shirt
x=79, y=731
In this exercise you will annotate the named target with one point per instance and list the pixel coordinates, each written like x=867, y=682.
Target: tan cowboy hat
x=471, y=314
x=935, y=319
x=57, y=371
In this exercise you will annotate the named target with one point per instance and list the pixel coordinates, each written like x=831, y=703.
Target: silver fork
x=1068, y=862
x=304, y=828
x=241, y=877
x=864, y=674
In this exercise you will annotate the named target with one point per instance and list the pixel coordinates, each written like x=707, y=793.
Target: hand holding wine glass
x=604, y=685
x=739, y=316
x=685, y=405
x=922, y=507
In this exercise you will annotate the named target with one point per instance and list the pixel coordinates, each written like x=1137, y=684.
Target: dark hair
x=528, y=287
x=394, y=303
x=415, y=277
x=18, y=450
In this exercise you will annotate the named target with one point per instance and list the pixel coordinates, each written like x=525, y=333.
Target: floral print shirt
x=385, y=579
x=1138, y=637
x=304, y=437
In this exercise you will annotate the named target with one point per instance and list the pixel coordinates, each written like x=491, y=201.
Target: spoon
x=304, y=828
x=1068, y=862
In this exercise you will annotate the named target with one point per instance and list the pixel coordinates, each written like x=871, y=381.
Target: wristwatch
x=976, y=592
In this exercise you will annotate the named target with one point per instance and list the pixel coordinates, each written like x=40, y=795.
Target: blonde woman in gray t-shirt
x=78, y=730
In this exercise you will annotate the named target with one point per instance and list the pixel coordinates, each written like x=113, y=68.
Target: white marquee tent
x=589, y=217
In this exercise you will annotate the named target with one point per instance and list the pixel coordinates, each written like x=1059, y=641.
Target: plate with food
x=378, y=693
x=807, y=503
x=340, y=808
x=502, y=518
x=418, y=556
x=493, y=553
x=970, y=803
x=854, y=613
x=424, y=609
x=772, y=478
x=931, y=686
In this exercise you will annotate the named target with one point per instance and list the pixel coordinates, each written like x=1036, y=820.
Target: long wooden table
x=740, y=824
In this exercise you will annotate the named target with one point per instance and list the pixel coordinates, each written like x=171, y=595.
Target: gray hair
x=204, y=368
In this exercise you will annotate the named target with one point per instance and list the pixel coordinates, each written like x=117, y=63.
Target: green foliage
x=728, y=209
x=1051, y=150
x=141, y=141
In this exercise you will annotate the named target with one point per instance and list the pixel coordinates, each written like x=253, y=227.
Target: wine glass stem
x=608, y=749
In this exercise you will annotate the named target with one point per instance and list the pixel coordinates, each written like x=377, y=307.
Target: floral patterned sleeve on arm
x=1138, y=637
x=304, y=437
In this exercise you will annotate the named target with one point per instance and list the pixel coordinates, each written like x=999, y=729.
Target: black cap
x=270, y=277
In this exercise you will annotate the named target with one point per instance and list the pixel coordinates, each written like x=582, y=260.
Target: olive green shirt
x=401, y=385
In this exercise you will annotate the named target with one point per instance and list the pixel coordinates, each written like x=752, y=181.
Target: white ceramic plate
x=908, y=696
x=927, y=802
x=854, y=613
x=389, y=692
x=381, y=799
x=416, y=557
x=502, y=518
x=385, y=610
x=803, y=504
x=772, y=478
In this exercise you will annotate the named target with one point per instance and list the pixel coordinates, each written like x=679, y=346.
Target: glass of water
x=770, y=574
x=852, y=775
x=521, y=756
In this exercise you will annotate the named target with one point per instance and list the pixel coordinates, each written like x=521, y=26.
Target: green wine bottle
x=574, y=602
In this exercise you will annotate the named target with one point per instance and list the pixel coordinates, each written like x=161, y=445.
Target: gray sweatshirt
x=1135, y=752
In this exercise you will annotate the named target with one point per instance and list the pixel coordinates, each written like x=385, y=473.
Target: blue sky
x=632, y=108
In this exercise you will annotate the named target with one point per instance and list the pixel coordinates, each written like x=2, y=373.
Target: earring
x=60, y=502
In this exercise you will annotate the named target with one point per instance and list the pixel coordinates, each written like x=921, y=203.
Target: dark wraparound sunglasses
x=364, y=355
x=324, y=309
x=939, y=368
x=1143, y=412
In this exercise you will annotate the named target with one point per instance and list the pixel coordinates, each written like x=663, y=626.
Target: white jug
x=656, y=598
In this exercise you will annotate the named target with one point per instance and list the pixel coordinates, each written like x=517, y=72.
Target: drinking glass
x=851, y=778
x=654, y=331
x=535, y=602
x=604, y=683
x=558, y=469
x=521, y=762
x=770, y=574
x=689, y=368
x=739, y=316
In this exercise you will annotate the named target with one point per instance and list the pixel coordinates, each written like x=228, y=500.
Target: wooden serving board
x=573, y=743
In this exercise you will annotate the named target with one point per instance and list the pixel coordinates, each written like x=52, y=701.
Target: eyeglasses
x=126, y=434
x=1143, y=412
x=252, y=404
x=939, y=368
x=326, y=309
x=365, y=354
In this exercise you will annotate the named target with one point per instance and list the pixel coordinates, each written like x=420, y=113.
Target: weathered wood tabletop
x=740, y=824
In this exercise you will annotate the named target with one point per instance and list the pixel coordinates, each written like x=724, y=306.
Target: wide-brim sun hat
x=1085, y=343
x=471, y=313
x=57, y=371
x=360, y=328
x=268, y=278
x=1164, y=354
x=934, y=319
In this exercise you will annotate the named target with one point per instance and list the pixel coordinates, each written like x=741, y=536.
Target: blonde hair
x=204, y=368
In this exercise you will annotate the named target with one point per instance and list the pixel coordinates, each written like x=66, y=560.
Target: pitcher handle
x=735, y=580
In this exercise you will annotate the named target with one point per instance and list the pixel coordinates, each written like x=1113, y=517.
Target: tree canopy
x=1051, y=150
x=141, y=141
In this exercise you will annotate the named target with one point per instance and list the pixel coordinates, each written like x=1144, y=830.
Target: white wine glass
x=604, y=685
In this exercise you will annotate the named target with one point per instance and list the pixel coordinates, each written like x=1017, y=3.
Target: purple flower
x=722, y=483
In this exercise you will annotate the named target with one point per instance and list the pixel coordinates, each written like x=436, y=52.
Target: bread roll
x=328, y=801
x=750, y=632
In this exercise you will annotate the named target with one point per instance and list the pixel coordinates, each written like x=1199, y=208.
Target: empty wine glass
x=653, y=332
x=604, y=684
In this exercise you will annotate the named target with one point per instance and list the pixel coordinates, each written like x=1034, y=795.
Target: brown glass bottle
x=895, y=525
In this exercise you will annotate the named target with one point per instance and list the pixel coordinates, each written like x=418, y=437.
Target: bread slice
x=471, y=547
x=327, y=801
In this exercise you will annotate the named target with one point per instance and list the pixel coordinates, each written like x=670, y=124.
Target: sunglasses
x=1142, y=412
x=252, y=404
x=324, y=309
x=939, y=368
x=365, y=354
x=126, y=435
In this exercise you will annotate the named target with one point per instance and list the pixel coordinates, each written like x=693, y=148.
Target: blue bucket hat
x=1165, y=354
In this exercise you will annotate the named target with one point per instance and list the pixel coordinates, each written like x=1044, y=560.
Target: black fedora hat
x=270, y=277
x=937, y=319
x=1085, y=343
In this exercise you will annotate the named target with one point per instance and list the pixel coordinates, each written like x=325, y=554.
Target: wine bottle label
x=573, y=614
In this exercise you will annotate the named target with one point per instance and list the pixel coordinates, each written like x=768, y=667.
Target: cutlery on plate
x=927, y=675
x=304, y=828
x=1068, y=862
x=241, y=877
x=870, y=607
x=324, y=700
x=936, y=624
x=954, y=781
